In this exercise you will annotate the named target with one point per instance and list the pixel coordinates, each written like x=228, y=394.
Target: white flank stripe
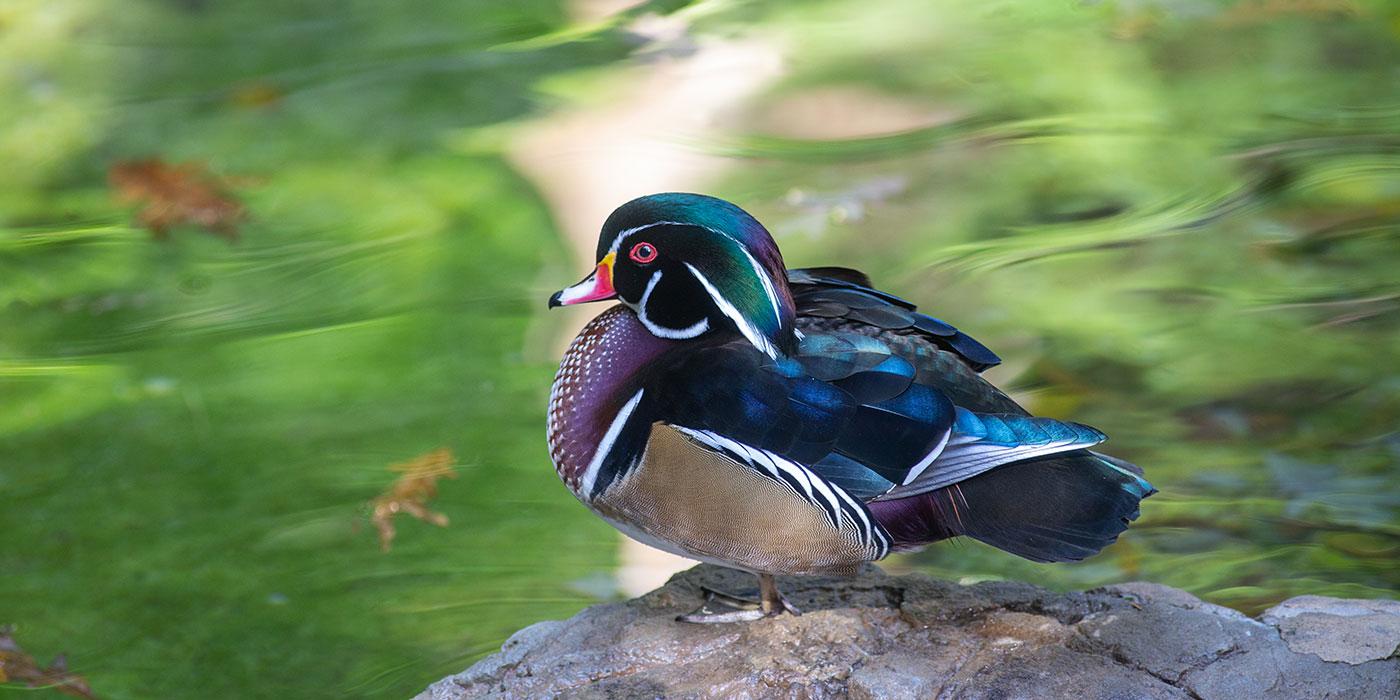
x=757, y=339
x=800, y=474
x=824, y=489
x=590, y=474
x=860, y=513
x=700, y=435
x=748, y=453
x=817, y=487
x=761, y=458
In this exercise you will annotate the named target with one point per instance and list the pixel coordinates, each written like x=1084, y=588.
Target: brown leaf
x=15, y=665
x=176, y=195
x=411, y=492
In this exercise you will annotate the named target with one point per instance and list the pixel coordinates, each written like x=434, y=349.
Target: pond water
x=1177, y=221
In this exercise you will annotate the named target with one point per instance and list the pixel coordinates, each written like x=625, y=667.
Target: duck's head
x=691, y=265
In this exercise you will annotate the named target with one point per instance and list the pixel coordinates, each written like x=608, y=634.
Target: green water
x=1177, y=221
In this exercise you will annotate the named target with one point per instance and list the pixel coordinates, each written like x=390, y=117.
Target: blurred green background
x=1178, y=221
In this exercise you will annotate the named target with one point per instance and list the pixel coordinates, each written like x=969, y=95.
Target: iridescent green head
x=690, y=265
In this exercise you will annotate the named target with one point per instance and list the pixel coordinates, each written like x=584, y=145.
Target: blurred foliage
x=192, y=428
x=1177, y=220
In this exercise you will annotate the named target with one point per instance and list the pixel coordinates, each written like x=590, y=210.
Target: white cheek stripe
x=590, y=475
x=753, y=262
x=662, y=331
x=756, y=338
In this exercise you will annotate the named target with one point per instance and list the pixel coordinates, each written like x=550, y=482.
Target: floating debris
x=17, y=666
x=176, y=195
x=411, y=492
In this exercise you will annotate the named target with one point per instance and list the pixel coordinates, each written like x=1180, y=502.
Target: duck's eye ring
x=643, y=253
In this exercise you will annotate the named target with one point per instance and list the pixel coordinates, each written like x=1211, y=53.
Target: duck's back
x=841, y=300
x=1060, y=507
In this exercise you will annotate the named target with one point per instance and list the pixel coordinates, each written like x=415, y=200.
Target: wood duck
x=801, y=421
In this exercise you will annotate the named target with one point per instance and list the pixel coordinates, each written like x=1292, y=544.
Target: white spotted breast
x=601, y=362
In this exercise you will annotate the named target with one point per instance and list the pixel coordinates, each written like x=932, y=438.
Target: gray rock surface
x=879, y=636
x=1349, y=631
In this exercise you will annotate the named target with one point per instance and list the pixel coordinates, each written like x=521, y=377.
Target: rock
x=1349, y=631
x=879, y=636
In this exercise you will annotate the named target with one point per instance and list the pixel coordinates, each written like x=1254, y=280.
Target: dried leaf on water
x=177, y=194
x=411, y=492
x=18, y=667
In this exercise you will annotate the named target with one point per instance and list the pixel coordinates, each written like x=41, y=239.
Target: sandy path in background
x=587, y=161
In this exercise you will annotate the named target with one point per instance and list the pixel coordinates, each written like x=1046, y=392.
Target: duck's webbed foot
x=722, y=607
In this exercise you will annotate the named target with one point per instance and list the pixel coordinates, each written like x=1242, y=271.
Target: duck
x=800, y=422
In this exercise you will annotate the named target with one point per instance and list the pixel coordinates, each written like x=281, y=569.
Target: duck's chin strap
x=721, y=607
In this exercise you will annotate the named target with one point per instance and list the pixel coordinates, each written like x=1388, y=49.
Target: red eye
x=643, y=253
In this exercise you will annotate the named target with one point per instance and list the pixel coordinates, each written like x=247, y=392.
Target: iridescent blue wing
x=848, y=409
x=981, y=441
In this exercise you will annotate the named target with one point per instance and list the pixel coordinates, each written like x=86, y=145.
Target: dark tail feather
x=1063, y=507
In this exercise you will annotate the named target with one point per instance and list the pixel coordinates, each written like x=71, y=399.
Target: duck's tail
x=1063, y=507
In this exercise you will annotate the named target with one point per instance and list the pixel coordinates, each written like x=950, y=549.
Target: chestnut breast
x=600, y=363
